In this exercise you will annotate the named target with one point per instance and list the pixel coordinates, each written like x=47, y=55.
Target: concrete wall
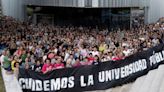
x=86, y=3
x=14, y=8
x=155, y=10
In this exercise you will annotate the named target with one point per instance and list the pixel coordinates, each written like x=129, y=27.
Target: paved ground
x=152, y=82
x=11, y=83
x=2, y=87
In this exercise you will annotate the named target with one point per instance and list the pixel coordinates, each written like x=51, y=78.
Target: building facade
x=17, y=8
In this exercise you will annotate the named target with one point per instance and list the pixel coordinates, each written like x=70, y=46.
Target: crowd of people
x=43, y=47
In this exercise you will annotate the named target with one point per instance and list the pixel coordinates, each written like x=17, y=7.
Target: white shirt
x=94, y=53
x=127, y=52
x=83, y=52
x=104, y=60
x=66, y=56
x=56, y=50
x=30, y=47
x=125, y=44
x=18, y=43
x=2, y=59
x=44, y=57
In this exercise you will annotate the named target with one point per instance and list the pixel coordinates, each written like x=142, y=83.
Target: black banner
x=93, y=77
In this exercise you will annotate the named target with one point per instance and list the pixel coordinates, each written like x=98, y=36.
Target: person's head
x=28, y=54
x=15, y=57
x=149, y=44
x=53, y=60
x=71, y=56
x=90, y=55
x=3, y=52
x=97, y=58
x=80, y=57
x=16, y=64
x=38, y=62
x=27, y=59
x=68, y=62
x=48, y=61
x=21, y=48
x=77, y=60
x=24, y=51
x=7, y=52
x=27, y=66
x=85, y=60
x=125, y=47
x=95, y=49
x=59, y=60
x=110, y=54
x=105, y=55
x=121, y=54
x=11, y=57
x=90, y=48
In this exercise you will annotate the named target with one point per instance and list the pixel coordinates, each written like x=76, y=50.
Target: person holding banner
x=58, y=64
x=37, y=67
x=16, y=69
x=47, y=67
